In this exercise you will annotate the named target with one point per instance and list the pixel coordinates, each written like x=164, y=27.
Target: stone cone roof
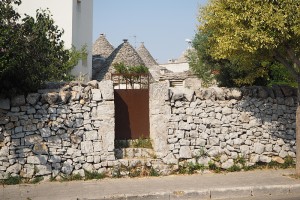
x=146, y=56
x=124, y=53
x=102, y=47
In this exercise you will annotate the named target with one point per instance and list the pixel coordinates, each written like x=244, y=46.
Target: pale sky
x=163, y=25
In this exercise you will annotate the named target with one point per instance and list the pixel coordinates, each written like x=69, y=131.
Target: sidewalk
x=206, y=186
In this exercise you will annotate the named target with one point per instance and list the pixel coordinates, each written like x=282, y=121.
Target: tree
x=32, y=51
x=223, y=71
x=247, y=31
x=131, y=73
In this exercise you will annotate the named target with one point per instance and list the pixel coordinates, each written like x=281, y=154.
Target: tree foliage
x=223, y=71
x=249, y=31
x=32, y=51
x=130, y=73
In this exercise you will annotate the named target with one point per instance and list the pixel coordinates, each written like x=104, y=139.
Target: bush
x=32, y=51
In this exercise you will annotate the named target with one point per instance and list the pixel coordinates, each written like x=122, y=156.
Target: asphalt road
x=281, y=197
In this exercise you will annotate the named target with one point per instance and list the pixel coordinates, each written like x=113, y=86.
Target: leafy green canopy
x=252, y=31
x=228, y=74
x=31, y=52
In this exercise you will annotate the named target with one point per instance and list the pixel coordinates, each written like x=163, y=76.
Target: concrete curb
x=217, y=193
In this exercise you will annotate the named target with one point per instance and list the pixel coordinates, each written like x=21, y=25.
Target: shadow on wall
x=256, y=123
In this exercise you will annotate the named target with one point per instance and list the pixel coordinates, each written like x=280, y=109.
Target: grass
x=136, y=143
x=93, y=175
x=11, y=180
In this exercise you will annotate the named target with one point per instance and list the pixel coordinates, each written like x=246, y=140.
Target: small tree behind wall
x=32, y=51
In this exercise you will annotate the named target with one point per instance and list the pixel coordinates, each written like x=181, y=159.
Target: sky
x=163, y=25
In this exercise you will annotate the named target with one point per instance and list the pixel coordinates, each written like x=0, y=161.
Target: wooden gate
x=131, y=106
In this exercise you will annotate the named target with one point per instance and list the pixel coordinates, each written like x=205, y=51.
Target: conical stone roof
x=146, y=56
x=124, y=53
x=102, y=47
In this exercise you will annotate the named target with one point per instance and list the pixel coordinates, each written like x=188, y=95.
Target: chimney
x=125, y=40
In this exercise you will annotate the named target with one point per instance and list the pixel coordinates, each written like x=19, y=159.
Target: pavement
x=258, y=184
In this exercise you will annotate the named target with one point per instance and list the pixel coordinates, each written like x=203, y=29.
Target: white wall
x=176, y=67
x=76, y=19
x=82, y=29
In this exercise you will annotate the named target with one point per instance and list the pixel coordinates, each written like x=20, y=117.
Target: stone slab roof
x=146, y=56
x=102, y=47
x=124, y=53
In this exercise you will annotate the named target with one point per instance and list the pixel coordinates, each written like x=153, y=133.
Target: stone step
x=136, y=162
x=129, y=153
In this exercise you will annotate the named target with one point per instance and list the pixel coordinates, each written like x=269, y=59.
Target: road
x=281, y=197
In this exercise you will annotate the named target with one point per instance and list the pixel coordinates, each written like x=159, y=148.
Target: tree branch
x=283, y=61
x=292, y=56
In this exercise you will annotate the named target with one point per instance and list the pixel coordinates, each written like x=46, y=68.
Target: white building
x=75, y=17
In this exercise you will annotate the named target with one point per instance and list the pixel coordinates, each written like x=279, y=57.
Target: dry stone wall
x=69, y=130
x=219, y=124
x=53, y=132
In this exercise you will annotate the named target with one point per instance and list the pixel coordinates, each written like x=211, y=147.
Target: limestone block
x=91, y=135
x=283, y=154
x=278, y=159
x=254, y=158
x=107, y=89
x=226, y=111
x=213, y=141
x=67, y=168
x=4, y=120
x=93, y=84
x=32, y=139
x=79, y=171
x=75, y=139
x=14, y=169
x=259, y=148
x=234, y=93
x=18, y=101
x=4, y=151
x=55, y=159
x=105, y=111
x=262, y=93
x=200, y=142
x=64, y=96
x=170, y=159
x=245, y=149
x=288, y=91
x=50, y=98
x=45, y=132
x=97, y=146
x=27, y=172
x=4, y=104
x=33, y=98
x=185, y=152
x=40, y=148
x=265, y=159
x=42, y=170
x=96, y=95
x=219, y=93
x=75, y=95
x=244, y=118
x=38, y=159
x=229, y=163
x=87, y=147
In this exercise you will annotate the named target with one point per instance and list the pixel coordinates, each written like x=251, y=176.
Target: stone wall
x=68, y=130
x=255, y=123
x=60, y=131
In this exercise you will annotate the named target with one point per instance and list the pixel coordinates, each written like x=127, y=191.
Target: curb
x=217, y=193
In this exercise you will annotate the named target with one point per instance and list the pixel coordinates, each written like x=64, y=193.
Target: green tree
x=130, y=73
x=247, y=31
x=32, y=51
x=223, y=71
